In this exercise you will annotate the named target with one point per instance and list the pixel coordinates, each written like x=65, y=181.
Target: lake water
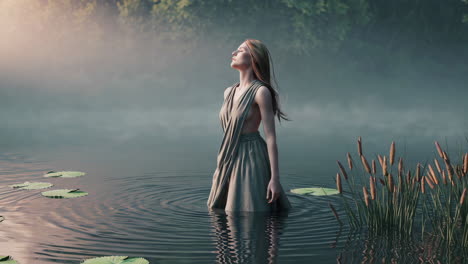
x=134, y=208
x=145, y=204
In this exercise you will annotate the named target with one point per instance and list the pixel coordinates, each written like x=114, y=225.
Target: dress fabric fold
x=243, y=169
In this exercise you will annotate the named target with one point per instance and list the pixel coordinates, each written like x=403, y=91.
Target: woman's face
x=241, y=57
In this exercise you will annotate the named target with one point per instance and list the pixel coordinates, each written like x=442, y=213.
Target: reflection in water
x=247, y=237
x=367, y=248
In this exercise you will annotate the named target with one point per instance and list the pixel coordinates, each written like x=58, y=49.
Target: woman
x=247, y=174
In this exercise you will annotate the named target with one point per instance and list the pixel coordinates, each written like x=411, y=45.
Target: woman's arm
x=264, y=100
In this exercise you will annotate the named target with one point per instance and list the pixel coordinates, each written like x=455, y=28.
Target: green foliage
x=316, y=191
x=391, y=206
x=64, y=193
x=7, y=260
x=116, y=260
x=32, y=185
x=64, y=174
x=387, y=34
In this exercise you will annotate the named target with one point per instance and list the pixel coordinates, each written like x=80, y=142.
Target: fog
x=139, y=94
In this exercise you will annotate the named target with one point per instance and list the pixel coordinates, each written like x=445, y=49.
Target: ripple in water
x=161, y=216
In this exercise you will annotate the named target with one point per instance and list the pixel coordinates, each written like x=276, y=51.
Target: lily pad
x=116, y=260
x=317, y=191
x=64, y=193
x=32, y=185
x=7, y=260
x=64, y=174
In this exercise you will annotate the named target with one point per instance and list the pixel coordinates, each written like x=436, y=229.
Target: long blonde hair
x=260, y=58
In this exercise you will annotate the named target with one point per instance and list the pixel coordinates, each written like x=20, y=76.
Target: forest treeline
x=296, y=28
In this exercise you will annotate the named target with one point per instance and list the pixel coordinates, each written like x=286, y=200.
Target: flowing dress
x=243, y=170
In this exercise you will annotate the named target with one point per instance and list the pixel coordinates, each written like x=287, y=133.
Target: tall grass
x=447, y=207
x=379, y=200
x=386, y=201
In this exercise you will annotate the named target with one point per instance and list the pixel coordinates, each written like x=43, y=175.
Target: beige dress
x=243, y=170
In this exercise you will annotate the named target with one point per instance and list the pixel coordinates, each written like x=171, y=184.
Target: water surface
x=137, y=208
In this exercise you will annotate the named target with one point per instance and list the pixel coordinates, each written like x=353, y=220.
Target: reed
x=350, y=161
x=465, y=164
x=390, y=207
x=342, y=169
x=387, y=207
x=439, y=149
x=335, y=213
x=372, y=187
x=374, y=169
x=436, y=162
x=446, y=204
x=359, y=146
x=338, y=183
x=365, y=164
x=392, y=152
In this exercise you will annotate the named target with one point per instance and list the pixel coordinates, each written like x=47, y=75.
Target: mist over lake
x=130, y=94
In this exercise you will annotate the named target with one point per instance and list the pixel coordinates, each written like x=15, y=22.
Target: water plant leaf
x=116, y=260
x=7, y=260
x=64, y=193
x=64, y=174
x=317, y=191
x=31, y=185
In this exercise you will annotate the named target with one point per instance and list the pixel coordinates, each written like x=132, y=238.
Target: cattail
x=338, y=183
x=382, y=181
x=439, y=149
x=343, y=171
x=372, y=187
x=462, y=199
x=384, y=167
x=459, y=171
x=366, y=195
x=449, y=175
x=436, y=162
x=334, y=212
x=394, y=195
x=380, y=160
x=413, y=182
x=433, y=175
x=418, y=172
x=392, y=152
x=365, y=164
x=390, y=182
x=444, y=179
x=408, y=177
x=400, y=181
x=359, y=146
x=350, y=163
x=431, y=171
x=429, y=181
x=400, y=165
x=445, y=156
x=449, y=168
x=422, y=185
x=465, y=164
x=374, y=169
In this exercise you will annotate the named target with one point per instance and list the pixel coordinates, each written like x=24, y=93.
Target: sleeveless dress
x=243, y=170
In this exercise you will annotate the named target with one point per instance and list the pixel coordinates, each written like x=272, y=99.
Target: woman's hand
x=273, y=190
